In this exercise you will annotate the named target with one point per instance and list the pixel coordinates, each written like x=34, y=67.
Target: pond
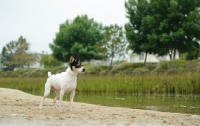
x=188, y=104
x=177, y=104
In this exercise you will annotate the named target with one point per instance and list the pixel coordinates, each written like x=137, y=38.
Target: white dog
x=64, y=82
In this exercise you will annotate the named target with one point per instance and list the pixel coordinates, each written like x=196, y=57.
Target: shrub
x=193, y=66
x=104, y=72
x=97, y=70
x=171, y=66
x=176, y=64
x=57, y=69
x=172, y=71
x=140, y=71
x=151, y=67
x=126, y=68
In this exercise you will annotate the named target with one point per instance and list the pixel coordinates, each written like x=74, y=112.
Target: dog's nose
x=84, y=70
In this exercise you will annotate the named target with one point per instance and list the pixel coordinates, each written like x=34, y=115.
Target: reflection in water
x=178, y=104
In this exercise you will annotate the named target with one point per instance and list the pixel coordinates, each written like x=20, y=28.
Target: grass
x=144, y=84
x=173, y=77
x=24, y=84
x=186, y=83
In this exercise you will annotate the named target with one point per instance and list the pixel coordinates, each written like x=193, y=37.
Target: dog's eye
x=77, y=66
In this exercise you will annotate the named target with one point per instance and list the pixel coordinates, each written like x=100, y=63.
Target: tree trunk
x=111, y=62
x=145, y=58
x=174, y=54
x=170, y=54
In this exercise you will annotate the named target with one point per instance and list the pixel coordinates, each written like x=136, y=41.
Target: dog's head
x=75, y=65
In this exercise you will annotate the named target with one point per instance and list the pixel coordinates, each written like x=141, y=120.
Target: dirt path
x=19, y=108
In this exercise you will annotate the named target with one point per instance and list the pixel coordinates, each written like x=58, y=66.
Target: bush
x=171, y=66
x=176, y=64
x=97, y=70
x=151, y=67
x=140, y=71
x=126, y=68
x=57, y=69
x=172, y=71
x=38, y=73
x=193, y=66
x=104, y=72
x=91, y=71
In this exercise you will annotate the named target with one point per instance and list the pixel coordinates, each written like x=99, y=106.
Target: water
x=188, y=104
x=177, y=104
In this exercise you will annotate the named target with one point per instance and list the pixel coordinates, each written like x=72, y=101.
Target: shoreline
x=19, y=108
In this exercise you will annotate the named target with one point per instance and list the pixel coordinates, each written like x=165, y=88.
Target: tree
x=50, y=62
x=140, y=25
x=114, y=42
x=175, y=25
x=78, y=37
x=193, y=54
x=15, y=54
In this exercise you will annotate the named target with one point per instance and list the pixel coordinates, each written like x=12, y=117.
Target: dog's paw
x=56, y=106
x=70, y=109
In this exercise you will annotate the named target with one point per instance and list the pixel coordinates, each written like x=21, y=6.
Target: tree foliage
x=138, y=28
x=77, y=37
x=16, y=54
x=163, y=26
x=114, y=42
x=50, y=62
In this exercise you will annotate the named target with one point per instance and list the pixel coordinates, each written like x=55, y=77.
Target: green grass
x=186, y=83
x=145, y=84
x=24, y=84
x=173, y=77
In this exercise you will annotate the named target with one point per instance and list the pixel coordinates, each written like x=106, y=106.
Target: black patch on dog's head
x=75, y=63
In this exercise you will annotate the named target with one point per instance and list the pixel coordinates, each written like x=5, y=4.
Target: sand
x=21, y=109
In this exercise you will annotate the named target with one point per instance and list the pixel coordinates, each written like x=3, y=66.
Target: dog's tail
x=49, y=74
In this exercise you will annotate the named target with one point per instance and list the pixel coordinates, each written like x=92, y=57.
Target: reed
x=24, y=84
x=186, y=83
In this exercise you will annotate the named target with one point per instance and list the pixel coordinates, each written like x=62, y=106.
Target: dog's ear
x=71, y=60
x=78, y=60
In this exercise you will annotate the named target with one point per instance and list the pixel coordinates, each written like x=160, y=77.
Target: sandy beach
x=21, y=109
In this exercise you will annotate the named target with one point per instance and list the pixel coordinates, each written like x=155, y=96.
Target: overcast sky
x=38, y=20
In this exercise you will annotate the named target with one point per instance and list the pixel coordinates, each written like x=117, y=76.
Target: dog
x=63, y=82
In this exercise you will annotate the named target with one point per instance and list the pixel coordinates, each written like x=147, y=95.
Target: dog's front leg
x=71, y=99
x=61, y=96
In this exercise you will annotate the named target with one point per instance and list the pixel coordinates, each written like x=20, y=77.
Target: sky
x=38, y=20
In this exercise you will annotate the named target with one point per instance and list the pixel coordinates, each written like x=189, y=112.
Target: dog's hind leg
x=46, y=93
x=57, y=97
